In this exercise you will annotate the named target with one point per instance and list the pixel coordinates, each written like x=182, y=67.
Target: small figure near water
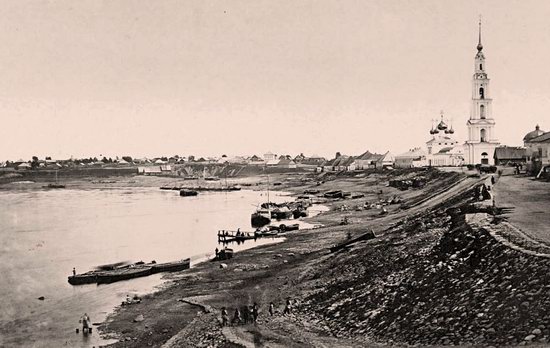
x=255, y=311
x=271, y=309
x=250, y=314
x=74, y=271
x=225, y=317
x=288, y=307
x=86, y=325
x=236, y=317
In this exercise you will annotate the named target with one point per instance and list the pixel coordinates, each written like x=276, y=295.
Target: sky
x=150, y=78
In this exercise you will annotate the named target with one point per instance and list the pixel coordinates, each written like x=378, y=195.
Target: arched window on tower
x=482, y=111
x=483, y=136
x=480, y=66
x=481, y=93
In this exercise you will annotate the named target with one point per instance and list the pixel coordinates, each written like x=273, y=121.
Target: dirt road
x=530, y=200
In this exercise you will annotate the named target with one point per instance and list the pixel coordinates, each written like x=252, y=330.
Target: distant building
x=232, y=160
x=385, y=161
x=414, y=158
x=341, y=163
x=286, y=163
x=23, y=166
x=314, y=160
x=272, y=162
x=537, y=150
x=270, y=156
x=299, y=158
x=443, y=148
x=507, y=155
x=367, y=160
x=533, y=134
x=256, y=161
x=150, y=170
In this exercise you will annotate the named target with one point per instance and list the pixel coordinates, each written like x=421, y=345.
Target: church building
x=481, y=143
x=443, y=148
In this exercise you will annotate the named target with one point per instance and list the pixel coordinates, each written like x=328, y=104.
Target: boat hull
x=188, y=193
x=127, y=272
x=259, y=220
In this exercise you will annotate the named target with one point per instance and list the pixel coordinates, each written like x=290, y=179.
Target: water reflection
x=45, y=233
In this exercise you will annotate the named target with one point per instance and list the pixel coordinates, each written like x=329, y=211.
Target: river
x=45, y=233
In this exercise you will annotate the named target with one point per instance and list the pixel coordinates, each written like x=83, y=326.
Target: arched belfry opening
x=483, y=136
x=482, y=111
x=481, y=93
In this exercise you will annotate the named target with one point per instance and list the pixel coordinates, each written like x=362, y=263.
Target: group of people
x=249, y=314
x=131, y=300
x=243, y=315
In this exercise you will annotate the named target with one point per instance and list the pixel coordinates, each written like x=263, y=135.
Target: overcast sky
x=147, y=78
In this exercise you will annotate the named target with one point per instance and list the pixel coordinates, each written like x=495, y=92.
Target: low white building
x=270, y=156
x=414, y=158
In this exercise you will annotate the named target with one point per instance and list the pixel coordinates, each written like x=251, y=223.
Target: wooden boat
x=225, y=236
x=266, y=233
x=224, y=254
x=188, y=193
x=57, y=185
x=190, y=178
x=334, y=194
x=281, y=213
x=174, y=266
x=212, y=178
x=136, y=270
x=286, y=228
x=299, y=212
x=260, y=218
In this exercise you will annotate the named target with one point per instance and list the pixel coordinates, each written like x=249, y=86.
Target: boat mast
x=268, y=190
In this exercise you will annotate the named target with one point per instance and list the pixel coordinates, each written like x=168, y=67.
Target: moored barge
x=136, y=270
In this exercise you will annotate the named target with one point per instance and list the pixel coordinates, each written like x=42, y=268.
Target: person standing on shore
x=236, y=317
x=225, y=317
x=271, y=309
x=250, y=314
x=255, y=311
x=288, y=307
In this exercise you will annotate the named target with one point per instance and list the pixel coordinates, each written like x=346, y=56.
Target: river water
x=45, y=233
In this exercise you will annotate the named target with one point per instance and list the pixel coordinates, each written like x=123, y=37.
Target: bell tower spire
x=481, y=142
x=479, y=45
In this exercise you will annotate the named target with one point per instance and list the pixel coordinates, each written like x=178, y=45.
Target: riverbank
x=298, y=268
x=45, y=233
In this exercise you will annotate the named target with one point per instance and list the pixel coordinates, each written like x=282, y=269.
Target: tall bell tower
x=481, y=143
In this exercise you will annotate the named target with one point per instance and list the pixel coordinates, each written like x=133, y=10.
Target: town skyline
x=227, y=82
